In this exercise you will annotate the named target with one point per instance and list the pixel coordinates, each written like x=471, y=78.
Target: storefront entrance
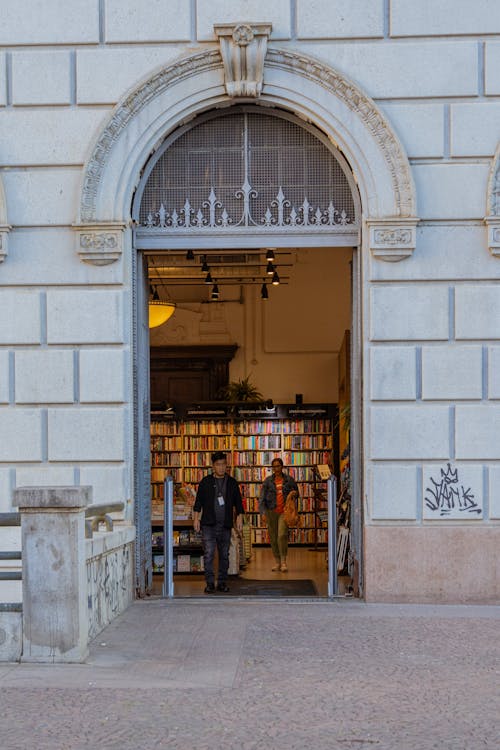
x=248, y=223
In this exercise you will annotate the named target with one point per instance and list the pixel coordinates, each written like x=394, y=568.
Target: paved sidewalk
x=215, y=674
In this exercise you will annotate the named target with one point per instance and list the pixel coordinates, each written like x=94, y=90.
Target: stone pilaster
x=4, y=233
x=493, y=224
x=55, y=627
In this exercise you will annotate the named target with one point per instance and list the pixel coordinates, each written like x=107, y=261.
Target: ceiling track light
x=208, y=278
x=189, y=255
x=215, y=292
x=264, y=294
x=270, y=268
x=204, y=267
x=269, y=253
x=276, y=279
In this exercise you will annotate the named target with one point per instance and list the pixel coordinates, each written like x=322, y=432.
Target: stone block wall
x=430, y=323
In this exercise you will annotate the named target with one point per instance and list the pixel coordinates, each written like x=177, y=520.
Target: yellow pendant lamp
x=159, y=311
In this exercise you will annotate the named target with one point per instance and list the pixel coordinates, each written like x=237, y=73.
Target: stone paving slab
x=246, y=674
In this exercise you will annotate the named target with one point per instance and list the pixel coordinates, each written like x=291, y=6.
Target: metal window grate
x=247, y=170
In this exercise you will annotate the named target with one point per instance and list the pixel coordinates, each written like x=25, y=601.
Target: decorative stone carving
x=393, y=239
x=99, y=244
x=493, y=224
x=243, y=49
x=210, y=59
x=4, y=232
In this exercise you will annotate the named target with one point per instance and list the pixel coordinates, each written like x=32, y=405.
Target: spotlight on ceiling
x=204, y=267
x=215, y=292
x=269, y=253
x=264, y=294
x=189, y=255
x=276, y=279
x=270, y=268
x=208, y=278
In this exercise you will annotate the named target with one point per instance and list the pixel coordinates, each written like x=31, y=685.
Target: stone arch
x=492, y=218
x=295, y=82
x=4, y=225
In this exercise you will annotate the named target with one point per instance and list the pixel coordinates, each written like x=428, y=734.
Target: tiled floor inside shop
x=303, y=563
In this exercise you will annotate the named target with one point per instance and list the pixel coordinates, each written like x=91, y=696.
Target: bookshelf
x=183, y=448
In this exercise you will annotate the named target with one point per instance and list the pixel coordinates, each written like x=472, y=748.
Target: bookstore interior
x=250, y=355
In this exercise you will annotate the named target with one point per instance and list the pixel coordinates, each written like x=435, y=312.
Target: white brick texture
x=452, y=372
x=478, y=431
x=3, y=81
x=419, y=69
x=41, y=197
x=84, y=317
x=23, y=308
x=477, y=312
x=4, y=377
x=340, y=18
x=394, y=492
x=63, y=135
x=420, y=127
x=104, y=74
x=47, y=256
x=45, y=476
x=404, y=313
x=492, y=68
x=102, y=375
x=494, y=372
x=148, y=21
x=28, y=22
x=44, y=377
x=20, y=435
x=409, y=432
x=227, y=11
x=494, y=491
x=41, y=77
x=443, y=252
x=441, y=194
x=86, y=434
x=429, y=18
x=475, y=128
x=392, y=373
x=108, y=483
x=5, y=493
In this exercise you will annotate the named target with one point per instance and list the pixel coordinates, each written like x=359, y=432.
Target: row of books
x=207, y=427
x=165, y=428
x=169, y=443
x=252, y=426
x=307, y=442
x=299, y=458
x=304, y=504
x=207, y=443
x=165, y=458
x=181, y=564
x=249, y=427
x=295, y=536
x=258, y=442
x=304, y=426
x=158, y=475
x=186, y=537
x=255, y=458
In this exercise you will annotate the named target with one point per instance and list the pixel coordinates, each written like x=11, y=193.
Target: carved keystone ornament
x=99, y=244
x=243, y=48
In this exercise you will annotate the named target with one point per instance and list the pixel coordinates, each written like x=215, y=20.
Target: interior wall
x=289, y=343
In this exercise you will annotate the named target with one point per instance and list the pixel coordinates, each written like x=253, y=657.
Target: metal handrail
x=100, y=514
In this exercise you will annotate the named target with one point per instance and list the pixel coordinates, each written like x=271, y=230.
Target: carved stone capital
x=393, y=239
x=243, y=48
x=493, y=224
x=99, y=244
x=4, y=232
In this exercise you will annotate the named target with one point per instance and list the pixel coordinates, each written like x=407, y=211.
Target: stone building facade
x=410, y=94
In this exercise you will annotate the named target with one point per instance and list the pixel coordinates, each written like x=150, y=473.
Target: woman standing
x=274, y=492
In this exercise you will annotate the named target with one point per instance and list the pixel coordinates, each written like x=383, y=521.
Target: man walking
x=217, y=500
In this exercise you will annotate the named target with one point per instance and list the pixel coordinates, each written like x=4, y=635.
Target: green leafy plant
x=241, y=390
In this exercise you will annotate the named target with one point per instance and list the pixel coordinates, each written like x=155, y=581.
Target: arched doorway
x=221, y=190
x=294, y=83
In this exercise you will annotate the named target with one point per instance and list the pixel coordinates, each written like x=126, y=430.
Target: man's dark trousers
x=220, y=537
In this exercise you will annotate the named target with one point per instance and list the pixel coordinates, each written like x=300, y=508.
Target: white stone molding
x=4, y=237
x=392, y=239
x=492, y=220
x=298, y=83
x=243, y=49
x=99, y=244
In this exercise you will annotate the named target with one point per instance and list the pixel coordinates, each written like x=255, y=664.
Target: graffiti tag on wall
x=449, y=494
